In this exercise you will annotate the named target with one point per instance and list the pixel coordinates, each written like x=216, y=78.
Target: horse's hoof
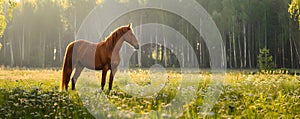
x=107, y=92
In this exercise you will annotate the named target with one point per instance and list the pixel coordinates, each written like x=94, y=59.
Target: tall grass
x=35, y=94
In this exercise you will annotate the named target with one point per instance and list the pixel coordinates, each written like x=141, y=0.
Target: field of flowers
x=36, y=94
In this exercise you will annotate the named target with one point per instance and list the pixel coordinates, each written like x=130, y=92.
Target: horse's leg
x=68, y=75
x=111, y=78
x=76, y=75
x=104, y=72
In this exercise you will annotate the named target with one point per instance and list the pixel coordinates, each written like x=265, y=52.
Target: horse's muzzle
x=137, y=47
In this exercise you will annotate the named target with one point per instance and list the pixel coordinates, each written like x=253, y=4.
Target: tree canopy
x=37, y=32
x=294, y=10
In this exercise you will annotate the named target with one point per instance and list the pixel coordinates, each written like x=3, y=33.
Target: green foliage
x=33, y=97
x=262, y=95
x=265, y=60
x=12, y=6
x=294, y=10
x=39, y=103
x=3, y=17
x=51, y=24
x=0, y=46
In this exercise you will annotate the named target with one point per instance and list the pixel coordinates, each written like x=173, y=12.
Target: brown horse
x=96, y=56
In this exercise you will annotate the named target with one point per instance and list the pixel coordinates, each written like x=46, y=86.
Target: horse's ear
x=130, y=25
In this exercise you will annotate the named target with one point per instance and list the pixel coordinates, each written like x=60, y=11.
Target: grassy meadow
x=36, y=94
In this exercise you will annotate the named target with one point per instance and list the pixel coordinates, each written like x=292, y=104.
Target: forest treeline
x=39, y=30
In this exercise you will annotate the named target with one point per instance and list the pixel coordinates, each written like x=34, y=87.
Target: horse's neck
x=117, y=46
x=114, y=45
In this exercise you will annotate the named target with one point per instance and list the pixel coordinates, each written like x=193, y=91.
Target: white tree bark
x=165, y=52
x=20, y=49
x=240, y=54
x=140, y=51
x=291, y=51
x=245, y=45
x=75, y=25
x=44, y=51
x=230, y=55
x=29, y=47
x=12, y=61
x=182, y=54
x=200, y=53
x=156, y=49
x=23, y=46
x=60, y=48
x=4, y=46
x=234, y=49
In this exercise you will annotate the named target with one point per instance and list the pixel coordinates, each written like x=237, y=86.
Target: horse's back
x=84, y=53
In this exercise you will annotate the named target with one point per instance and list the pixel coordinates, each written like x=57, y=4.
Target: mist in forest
x=38, y=32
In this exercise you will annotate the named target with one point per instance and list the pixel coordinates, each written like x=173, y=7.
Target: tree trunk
x=250, y=61
x=266, y=33
x=200, y=53
x=249, y=45
x=291, y=50
x=223, y=56
x=266, y=46
x=240, y=53
x=188, y=53
x=297, y=52
x=234, y=49
x=200, y=47
x=283, y=54
x=4, y=46
x=245, y=45
x=29, y=48
x=165, y=52
x=44, y=52
x=19, y=58
x=204, y=52
x=75, y=25
x=230, y=48
x=188, y=49
x=12, y=61
x=60, y=49
x=156, y=49
x=140, y=51
x=182, y=55
x=151, y=51
x=275, y=53
x=23, y=41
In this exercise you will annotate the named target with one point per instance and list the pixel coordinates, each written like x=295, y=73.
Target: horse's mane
x=114, y=36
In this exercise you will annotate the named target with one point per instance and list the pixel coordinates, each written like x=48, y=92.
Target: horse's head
x=130, y=38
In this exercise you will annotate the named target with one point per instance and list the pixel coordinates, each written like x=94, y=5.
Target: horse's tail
x=67, y=65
